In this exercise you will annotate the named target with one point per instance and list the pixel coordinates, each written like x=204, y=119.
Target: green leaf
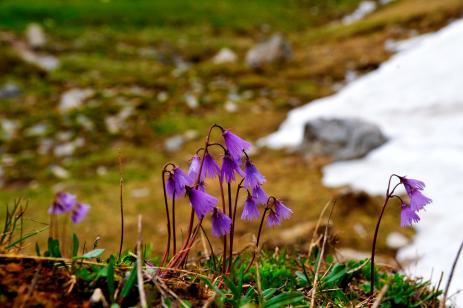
x=130, y=282
x=37, y=249
x=110, y=277
x=84, y=274
x=75, y=245
x=25, y=237
x=284, y=299
x=268, y=293
x=95, y=253
x=337, y=273
x=53, y=248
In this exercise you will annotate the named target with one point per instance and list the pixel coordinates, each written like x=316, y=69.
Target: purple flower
x=64, y=202
x=408, y=216
x=259, y=195
x=201, y=202
x=221, y=223
x=252, y=177
x=79, y=212
x=176, y=183
x=273, y=219
x=277, y=214
x=250, y=211
x=195, y=165
x=202, y=186
x=282, y=211
x=413, y=188
x=235, y=144
x=210, y=167
x=229, y=167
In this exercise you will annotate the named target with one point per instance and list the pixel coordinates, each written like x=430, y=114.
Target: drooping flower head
x=259, y=195
x=64, y=202
x=235, y=145
x=413, y=188
x=273, y=219
x=79, y=212
x=229, y=167
x=252, y=176
x=210, y=167
x=201, y=202
x=408, y=216
x=278, y=213
x=282, y=211
x=221, y=223
x=195, y=165
x=176, y=183
x=250, y=210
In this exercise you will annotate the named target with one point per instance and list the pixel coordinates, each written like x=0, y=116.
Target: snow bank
x=417, y=99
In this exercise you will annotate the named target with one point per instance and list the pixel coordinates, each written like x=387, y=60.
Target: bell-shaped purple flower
x=79, y=212
x=176, y=183
x=229, y=167
x=273, y=219
x=259, y=195
x=235, y=145
x=201, y=202
x=195, y=165
x=202, y=186
x=413, y=188
x=408, y=216
x=252, y=176
x=64, y=202
x=250, y=210
x=221, y=223
x=282, y=211
x=210, y=167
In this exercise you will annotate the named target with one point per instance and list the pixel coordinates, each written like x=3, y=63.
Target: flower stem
x=224, y=256
x=375, y=236
x=258, y=239
x=230, y=214
x=174, y=233
x=166, y=253
x=121, y=200
x=232, y=227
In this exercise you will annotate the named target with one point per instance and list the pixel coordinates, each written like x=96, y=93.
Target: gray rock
x=225, y=55
x=275, y=49
x=9, y=90
x=35, y=36
x=174, y=143
x=340, y=139
x=74, y=98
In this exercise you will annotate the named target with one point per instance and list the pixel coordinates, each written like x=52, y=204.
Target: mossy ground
x=129, y=58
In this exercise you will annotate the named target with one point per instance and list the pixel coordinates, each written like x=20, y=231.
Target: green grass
x=235, y=15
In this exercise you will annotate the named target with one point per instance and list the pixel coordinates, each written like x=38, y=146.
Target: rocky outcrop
x=275, y=49
x=340, y=139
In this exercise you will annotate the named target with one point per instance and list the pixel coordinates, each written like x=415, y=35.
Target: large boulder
x=275, y=49
x=340, y=139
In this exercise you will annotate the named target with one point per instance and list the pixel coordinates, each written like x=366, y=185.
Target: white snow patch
x=417, y=100
x=364, y=8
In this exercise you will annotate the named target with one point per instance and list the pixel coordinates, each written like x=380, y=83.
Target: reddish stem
x=232, y=228
x=375, y=236
x=258, y=239
x=166, y=253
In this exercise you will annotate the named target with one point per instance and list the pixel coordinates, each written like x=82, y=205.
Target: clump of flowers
x=236, y=173
x=67, y=206
x=66, y=203
x=409, y=210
